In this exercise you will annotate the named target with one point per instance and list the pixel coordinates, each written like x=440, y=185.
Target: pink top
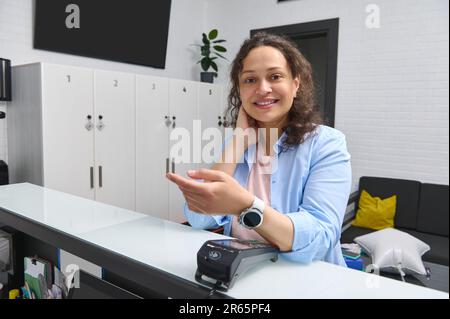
x=258, y=185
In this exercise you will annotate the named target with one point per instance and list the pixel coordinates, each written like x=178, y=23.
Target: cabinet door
x=152, y=145
x=68, y=145
x=210, y=114
x=183, y=110
x=115, y=158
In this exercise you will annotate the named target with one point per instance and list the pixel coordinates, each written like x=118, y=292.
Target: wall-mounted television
x=130, y=31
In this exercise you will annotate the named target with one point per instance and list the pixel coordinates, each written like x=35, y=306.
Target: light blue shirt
x=311, y=186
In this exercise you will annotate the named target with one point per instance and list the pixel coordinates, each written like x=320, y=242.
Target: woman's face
x=266, y=86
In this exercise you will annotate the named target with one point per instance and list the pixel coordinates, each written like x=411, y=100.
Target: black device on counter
x=226, y=259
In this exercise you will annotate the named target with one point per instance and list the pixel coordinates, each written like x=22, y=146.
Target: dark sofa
x=422, y=211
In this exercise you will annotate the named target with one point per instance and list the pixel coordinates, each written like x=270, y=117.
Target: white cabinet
x=193, y=107
x=152, y=148
x=165, y=106
x=114, y=117
x=74, y=131
x=210, y=110
x=67, y=144
x=183, y=99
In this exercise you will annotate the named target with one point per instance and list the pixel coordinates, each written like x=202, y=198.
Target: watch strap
x=259, y=204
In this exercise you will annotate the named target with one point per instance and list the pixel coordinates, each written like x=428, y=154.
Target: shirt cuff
x=221, y=220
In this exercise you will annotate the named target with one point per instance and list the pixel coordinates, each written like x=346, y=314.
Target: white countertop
x=173, y=248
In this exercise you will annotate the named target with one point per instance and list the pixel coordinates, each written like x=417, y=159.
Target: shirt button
x=273, y=182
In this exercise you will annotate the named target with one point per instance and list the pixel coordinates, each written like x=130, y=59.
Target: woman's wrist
x=245, y=202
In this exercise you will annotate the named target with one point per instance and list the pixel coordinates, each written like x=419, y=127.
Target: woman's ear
x=296, y=85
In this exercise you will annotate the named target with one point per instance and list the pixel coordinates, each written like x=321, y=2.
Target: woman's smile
x=265, y=104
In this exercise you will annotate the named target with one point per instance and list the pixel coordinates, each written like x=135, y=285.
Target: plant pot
x=207, y=77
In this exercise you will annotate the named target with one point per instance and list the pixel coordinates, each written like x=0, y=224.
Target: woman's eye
x=273, y=77
x=276, y=77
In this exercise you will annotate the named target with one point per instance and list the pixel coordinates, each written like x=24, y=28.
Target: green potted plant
x=210, y=50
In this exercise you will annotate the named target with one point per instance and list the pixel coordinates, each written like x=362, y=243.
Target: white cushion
x=392, y=248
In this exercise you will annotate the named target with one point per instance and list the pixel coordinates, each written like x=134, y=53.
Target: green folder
x=38, y=276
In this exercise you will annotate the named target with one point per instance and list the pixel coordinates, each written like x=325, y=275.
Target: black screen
x=233, y=244
x=131, y=31
x=252, y=219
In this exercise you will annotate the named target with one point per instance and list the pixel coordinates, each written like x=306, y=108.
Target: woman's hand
x=221, y=194
x=248, y=125
x=244, y=121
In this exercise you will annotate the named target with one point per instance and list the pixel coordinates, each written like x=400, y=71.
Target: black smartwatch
x=252, y=217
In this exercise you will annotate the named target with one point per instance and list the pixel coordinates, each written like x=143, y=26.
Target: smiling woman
x=267, y=87
x=268, y=61
x=291, y=189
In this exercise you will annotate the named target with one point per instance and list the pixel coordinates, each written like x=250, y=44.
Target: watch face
x=252, y=219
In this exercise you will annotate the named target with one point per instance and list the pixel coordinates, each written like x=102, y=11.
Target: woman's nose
x=263, y=88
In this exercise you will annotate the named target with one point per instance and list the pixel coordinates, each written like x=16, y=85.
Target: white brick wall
x=392, y=97
x=397, y=122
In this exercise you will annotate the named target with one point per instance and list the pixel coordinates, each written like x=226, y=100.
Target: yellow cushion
x=374, y=212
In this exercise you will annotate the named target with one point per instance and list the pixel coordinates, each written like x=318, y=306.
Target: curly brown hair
x=303, y=116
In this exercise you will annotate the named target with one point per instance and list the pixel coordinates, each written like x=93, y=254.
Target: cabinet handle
x=167, y=121
x=100, y=124
x=3, y=75
x=92, y=176
x=167, y=165
x=173, y=166
x=89, y=124
x=100, y=176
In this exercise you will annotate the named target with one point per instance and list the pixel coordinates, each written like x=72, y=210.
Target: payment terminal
x=226, y=259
